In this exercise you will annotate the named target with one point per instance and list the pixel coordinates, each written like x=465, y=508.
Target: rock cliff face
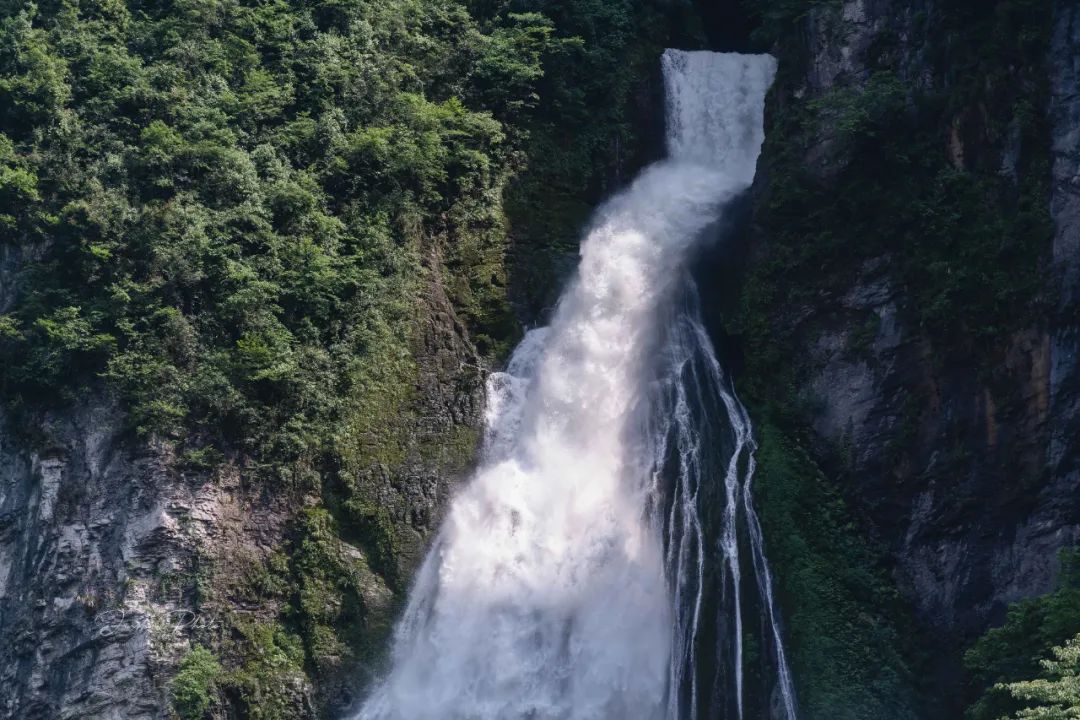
x=85, y=519
x=967, y=478
x=1063, y=455
x=115, y=557
x=967, y=542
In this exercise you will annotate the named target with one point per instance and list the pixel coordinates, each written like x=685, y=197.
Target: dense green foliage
x=845, y=624
x=235, y=199
x=194, y=686
x=1057, y=695
x=1013, y=652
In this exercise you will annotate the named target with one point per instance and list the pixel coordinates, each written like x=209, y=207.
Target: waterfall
x=569, y=577
x=695, y=392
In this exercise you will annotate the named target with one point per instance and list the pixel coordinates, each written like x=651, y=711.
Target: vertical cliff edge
x=908, y=324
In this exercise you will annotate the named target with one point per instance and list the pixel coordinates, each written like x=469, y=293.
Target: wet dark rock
x=986, y=491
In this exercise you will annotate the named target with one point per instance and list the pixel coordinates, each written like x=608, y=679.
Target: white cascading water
x=558, y=587
x=694, y=392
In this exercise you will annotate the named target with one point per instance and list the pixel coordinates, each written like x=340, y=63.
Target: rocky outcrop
x=88, y=522
x=115, y=555
x=1063, y=456
x=967, y=480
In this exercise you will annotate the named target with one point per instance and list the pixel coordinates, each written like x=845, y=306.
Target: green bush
x=194, y=688
x=1013, y=652
x=1057, y=693
x=847, y=629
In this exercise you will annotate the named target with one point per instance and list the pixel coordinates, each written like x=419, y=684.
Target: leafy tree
x=1014, y=651
x=1056, y=696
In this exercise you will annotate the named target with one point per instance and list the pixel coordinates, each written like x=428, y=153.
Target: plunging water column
x=569, y=577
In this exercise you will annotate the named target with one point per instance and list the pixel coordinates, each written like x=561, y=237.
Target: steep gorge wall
x=951, y=439
x=115, y=556
x=1063, y=456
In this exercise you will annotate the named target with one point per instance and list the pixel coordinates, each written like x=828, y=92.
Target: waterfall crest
x=562, y=583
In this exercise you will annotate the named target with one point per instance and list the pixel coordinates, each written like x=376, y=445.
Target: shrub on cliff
x=193, y=687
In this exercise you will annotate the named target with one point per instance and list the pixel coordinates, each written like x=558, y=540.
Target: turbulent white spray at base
x=547, y=594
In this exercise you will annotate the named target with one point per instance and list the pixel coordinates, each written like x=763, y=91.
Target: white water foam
x=546, y=593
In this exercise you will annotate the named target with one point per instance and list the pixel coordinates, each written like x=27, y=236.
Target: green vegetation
x=846, y=627
x=1013, y=652
x=235, y=199
x=327, y=604
x=1056, y=696
x=289, y=623
x=194, y=686
x=269, y=684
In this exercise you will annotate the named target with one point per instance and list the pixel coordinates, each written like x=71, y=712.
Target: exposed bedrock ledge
x=108, y=546
x=86, y=521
